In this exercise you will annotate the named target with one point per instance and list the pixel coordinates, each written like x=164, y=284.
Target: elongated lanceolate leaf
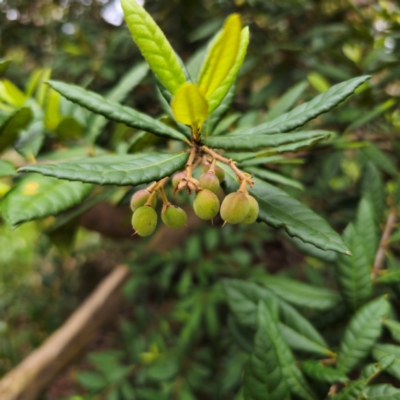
x=303, y=113
x=255, y=142
x=382, y=392
x=383, y=350
x=115, y=170
x=114, y=111
x=118, y=94
x=320, y=372
x=36, y=196
x=361, y=333
x=153, y=45
x=274, y=177
x=280, y=210
x=353, y=273
x=218, y=95
x=264, y=376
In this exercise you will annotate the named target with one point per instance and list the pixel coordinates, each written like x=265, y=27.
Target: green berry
x=144, y=221
x=206, y=204
x=209, y=181
x=174, y=217
x=219, y=172
x=140, y=198
x=235, y=207
x=253, y=211
x=177, y=178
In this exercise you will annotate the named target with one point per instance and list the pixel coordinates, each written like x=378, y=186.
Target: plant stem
x=155, y=187
x=164, y=197
x=189, y=164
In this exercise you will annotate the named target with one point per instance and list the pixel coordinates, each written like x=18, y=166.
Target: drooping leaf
x=12, y=125
x=320, y=372
x=153, y=45
x=189, y=106
x=118, y=94
x=6, y=169
x=280, y=210
x=114, y=111
x=218, y=95
x=361, y=333
x=115, y=170
x=307, y=111
x=301, y=294
x=382, y=391
x=274, y=177
x=240, y=142
x=36, y=196
x=265, y=378
x=353, y=273
x=221, y=56
x=383, y=350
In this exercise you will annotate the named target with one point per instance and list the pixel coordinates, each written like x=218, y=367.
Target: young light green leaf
x=36, y=196
x=265, y=376
x=383, y=350
x=382, y=392
x=118, y=94
x=280, y=210
x=115, y=170
x=361, y=333
x=307, y=111
x=353, y=273
x=12, y=125
x=6, y=169
x=301, y=294
x=286, y=102
x=153, y=45
x=240, y=142
x=218, y=95
x=320, y=372
x=274, y=177
x=114, y=111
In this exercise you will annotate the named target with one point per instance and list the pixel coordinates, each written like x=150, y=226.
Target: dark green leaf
x=115, y=170
x=92, y=381
x=303, y=113
x=351, y=392
x=265, y=377
x=274, y=177
x=240, y=141
x=373, y=189
x=6, y=169
x=382, y=392
x=361, y=333
x=389, y=276
x=394, y=328
x=383, y=350
x=380, y=159
x=114, y=111
x=320, y=372
x=36, y=196
x=353, y=273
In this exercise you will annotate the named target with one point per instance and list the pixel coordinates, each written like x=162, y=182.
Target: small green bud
x=140, y=198
x=144, y=221
x=219, y=172
x=209, y=181
x=174, y=217
x=177, y=178
x=206, y=204
x=235, y=207
x=253, y=211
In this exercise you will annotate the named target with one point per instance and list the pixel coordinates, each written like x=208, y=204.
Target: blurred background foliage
x=171, y=338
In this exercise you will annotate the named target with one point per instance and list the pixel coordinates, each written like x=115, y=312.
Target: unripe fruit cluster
x=237, y=207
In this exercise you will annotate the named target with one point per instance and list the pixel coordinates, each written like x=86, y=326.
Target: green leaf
x=373, y=189
x=92, y=381
x=114, y=111
x=320, y=372
x=153, y=45
x=293, y=147
x=265, y=377
x=240, y=141
x=286, y=102
x=4, y=65
x=383, y=350
x=36, y=196
x=389, y=276
x=6, y=169
x=353, y=273
x=380, y=159
x=12, y=125
x=280, y=210
x=394, y=328
x=115, y=170
x=274, y=177
x=361, y=333
x=307, y=111
x=351, y=392
x=301, y=294
x=382, y=392
x=118, y=94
